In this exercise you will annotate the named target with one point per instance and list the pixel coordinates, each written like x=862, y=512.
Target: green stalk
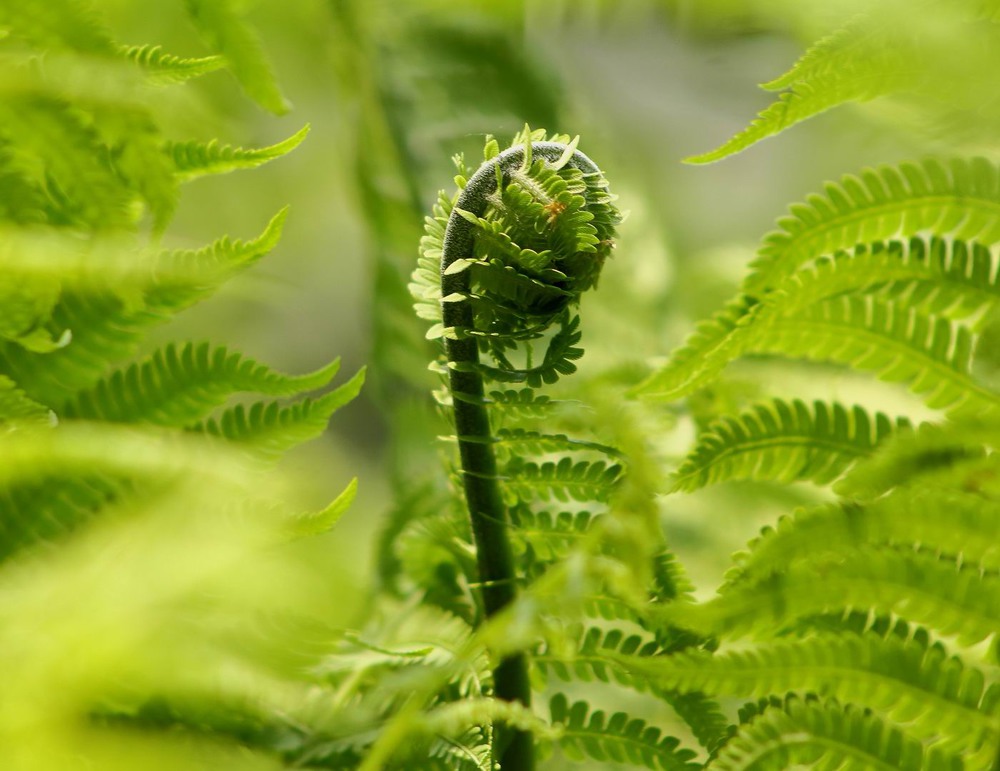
x=487, y=512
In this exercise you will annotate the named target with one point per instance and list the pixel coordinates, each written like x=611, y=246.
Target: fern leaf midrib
x=807, y=239
x=768, y=443
x=902, y=349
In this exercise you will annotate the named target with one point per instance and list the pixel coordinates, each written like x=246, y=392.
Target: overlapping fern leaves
x=103, y=454
x=80, y=283
x=581, y=519
x=871, y=610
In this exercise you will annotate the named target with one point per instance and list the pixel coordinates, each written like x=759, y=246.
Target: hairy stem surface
x=472, y=426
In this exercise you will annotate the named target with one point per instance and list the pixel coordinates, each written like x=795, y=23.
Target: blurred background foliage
x=392, y=89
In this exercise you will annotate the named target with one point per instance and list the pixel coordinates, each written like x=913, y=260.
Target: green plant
x=863, y=628
x=136, y=517
x=153, y=593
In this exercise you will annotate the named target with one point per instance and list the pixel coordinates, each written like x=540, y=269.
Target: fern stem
x=479, y=467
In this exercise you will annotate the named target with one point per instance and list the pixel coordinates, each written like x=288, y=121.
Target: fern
x=563, y=480
x=175, y=387
x=271, y=429
x=937, y=592
x=936, y=694
x=196, y=159
x=853, y=64
x=808, y=732
x=101, y=488
x=959, y=199
x=617, y=739
x=104, y=327
x=784, y=442
x=880, y=52
x=168, y=68
x=230, y=36
x=930, y=354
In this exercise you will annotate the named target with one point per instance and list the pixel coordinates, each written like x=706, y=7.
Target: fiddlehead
x=527, y=233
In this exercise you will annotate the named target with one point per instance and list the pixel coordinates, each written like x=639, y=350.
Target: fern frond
x=28, y=302
x=61, y=152
x=785, y=442
x=50, y=507
x=930, y=354
x=176, y=386
x=70, y=25
x=322, y=521
x=523, y=441
x=853, y=64
x=422, y=638
x=16, y=407
x=188, y=275
x=221, y=26
x=563, y=480
x=807, y=732
x=524, y=402
x=703, y=716
x=952, y=598
x=958, y=198
x=271, y=429
x=616, y=739
x=907, y=516
x=593, y=658
x=931, y=275
x=162, y=67
x=936, y=694
x=933, y=452
x=198, y=159
x=705, y=353
x=106, y=329
x=549, y=536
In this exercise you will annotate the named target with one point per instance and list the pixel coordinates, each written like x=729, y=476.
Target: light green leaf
x=225, y=32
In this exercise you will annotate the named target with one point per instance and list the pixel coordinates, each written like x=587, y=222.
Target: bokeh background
x=392, y=89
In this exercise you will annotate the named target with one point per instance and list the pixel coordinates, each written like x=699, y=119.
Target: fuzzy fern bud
x=524, y=237
x=502, y=266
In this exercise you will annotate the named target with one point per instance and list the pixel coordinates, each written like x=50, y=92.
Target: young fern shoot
x=524, y=237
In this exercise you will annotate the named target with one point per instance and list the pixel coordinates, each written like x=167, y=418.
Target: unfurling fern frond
x=503, y=265
x=785, y=442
